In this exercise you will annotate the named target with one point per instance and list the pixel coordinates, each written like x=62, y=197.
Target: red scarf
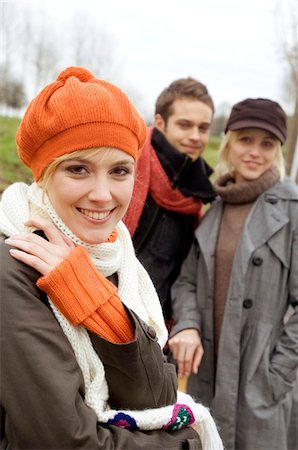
x=150, y=177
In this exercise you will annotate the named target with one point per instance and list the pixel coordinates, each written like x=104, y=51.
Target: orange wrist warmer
x=85, y=296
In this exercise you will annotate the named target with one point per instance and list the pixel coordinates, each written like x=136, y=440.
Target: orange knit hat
x=76, y=112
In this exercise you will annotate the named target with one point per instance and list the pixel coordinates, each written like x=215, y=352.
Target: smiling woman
x=239, y=325
x=80, y=318
x=91, y=190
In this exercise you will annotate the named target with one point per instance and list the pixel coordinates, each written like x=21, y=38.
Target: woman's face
x=252, y=153
x=92, y=193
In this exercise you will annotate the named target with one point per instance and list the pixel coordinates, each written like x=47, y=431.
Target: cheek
x=122, y=192
x=173, y=134
x=232, y=159
x=61, y=198
x=271, y=157
x=204, y=138
x=128, y=192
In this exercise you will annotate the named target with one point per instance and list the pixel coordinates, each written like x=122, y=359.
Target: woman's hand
x=187, y=350
x=36, y=251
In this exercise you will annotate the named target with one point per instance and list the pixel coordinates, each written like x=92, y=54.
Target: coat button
x=247, y=303
x=151, y=332
x=271, y=198
x=257, y=261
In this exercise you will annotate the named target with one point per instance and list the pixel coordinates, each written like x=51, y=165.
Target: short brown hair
x=181, y=88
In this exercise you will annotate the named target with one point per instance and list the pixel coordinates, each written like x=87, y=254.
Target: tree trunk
x=292, y=138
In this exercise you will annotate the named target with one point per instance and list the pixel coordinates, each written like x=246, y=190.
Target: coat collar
x=207, y=231
x=265, y=219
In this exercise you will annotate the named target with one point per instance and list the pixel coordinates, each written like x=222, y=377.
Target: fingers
x=187, y=350
x=33, y=261
x=36, y=251
x=197, y=359
x=51, y=231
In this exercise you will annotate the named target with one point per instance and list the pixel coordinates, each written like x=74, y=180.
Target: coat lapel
x=264, y=221
x=206, y=235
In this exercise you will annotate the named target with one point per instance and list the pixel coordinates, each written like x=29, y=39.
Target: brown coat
x=42, y=387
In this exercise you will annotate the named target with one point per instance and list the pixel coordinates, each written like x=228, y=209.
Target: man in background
x=171, y=183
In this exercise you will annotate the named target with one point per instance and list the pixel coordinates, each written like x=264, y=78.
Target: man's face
x=187, y=128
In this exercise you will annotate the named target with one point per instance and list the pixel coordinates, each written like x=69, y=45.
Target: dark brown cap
x=259, y=113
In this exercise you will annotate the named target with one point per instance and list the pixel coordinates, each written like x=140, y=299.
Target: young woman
x=236, y=299
x=81, y=325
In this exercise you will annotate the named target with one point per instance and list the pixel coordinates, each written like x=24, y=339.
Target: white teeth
x=94, y=214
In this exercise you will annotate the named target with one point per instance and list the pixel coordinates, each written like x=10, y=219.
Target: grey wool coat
x=254, y=394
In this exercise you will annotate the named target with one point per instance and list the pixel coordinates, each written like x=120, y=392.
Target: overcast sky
x=233, y=46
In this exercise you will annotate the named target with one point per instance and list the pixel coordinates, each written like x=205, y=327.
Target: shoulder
x=16, y=278
x=214, y=209
x=280, y=202
x=284, y=197
x=284, y=190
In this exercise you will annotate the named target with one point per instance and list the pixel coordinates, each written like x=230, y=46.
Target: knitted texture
x=76, y=112
x=137, y=292
x=247, y=191
x=172, y=417
x=135, y=287
x=85, y=296
x=151, y=177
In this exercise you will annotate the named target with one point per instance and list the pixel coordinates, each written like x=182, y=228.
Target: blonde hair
x=47, y=174
x=224, y=164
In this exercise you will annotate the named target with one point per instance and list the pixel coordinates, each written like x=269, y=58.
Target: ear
x=159, y=122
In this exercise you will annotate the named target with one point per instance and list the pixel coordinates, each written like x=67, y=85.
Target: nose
x=195, y=134
x=100, y=190
x=254, y=150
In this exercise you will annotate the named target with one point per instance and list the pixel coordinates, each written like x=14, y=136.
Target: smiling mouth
x=94, y=214
x=190, y=148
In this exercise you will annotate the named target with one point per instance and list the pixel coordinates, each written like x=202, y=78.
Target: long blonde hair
x=224, y=164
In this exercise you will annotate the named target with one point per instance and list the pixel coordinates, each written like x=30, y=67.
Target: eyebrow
x=124, y=161
x=250, y=134
x=84, y=160
x=191, y=121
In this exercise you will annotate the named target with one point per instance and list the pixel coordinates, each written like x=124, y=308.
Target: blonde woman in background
x=237, y=284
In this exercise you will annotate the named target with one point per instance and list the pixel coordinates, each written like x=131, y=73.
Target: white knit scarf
x=135, y=288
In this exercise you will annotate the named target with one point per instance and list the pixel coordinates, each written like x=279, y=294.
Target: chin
x=93, y=240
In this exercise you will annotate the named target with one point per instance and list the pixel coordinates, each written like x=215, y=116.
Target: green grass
x=211, y=152
x=12, y=169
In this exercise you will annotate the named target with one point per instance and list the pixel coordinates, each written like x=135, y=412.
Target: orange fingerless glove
x=85, y=296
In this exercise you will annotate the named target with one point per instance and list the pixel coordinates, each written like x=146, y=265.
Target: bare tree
x=44, y=54
x=93, y=49
x=292, y=58
x=37, y=45
x=287, y=33
x=12, y=94
x=12, y=85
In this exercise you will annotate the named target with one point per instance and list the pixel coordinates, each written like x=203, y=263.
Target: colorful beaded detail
x=124, y=421
x=181, y=418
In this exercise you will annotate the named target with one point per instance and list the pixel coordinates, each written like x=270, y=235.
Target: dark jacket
x=42, y=387
x=163, y=238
